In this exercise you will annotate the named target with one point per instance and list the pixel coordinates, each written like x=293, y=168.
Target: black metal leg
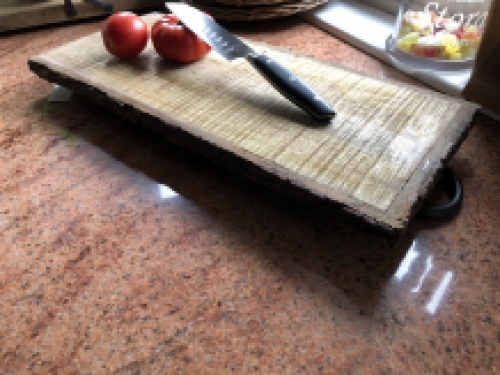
x=101, y=4
x=71, y=11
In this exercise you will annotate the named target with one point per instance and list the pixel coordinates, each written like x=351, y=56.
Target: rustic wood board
x=21, y=14
x=377, y=158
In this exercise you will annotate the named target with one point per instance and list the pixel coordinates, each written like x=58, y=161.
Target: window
x=343, y=17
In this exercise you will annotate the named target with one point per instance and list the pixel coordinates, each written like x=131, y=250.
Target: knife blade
x=230, y=47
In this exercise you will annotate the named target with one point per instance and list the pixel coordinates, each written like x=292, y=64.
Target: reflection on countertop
x=412, y=256
x=125, y=254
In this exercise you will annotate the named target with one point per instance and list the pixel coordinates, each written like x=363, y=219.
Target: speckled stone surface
x=122, y=254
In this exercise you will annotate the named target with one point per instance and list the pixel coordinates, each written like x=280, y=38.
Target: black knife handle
x=291, y=87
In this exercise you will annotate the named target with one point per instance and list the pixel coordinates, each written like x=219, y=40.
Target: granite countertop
x=123, y=254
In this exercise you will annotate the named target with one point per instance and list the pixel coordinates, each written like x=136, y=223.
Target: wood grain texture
x=377, y=158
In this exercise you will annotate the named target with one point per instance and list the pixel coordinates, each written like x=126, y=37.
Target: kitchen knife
x=230, y=47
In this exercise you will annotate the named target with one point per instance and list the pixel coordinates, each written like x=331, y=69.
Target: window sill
x=342, y=19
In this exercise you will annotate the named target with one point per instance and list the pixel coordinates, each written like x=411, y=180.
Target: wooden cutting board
x=377, y=158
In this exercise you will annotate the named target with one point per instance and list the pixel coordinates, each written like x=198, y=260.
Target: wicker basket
x=251, y=10
x=249, y=2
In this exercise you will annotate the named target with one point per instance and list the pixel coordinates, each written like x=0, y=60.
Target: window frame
x=341, y=17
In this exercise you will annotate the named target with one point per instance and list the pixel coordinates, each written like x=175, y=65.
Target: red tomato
x=125, y=35
x=173, y=41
